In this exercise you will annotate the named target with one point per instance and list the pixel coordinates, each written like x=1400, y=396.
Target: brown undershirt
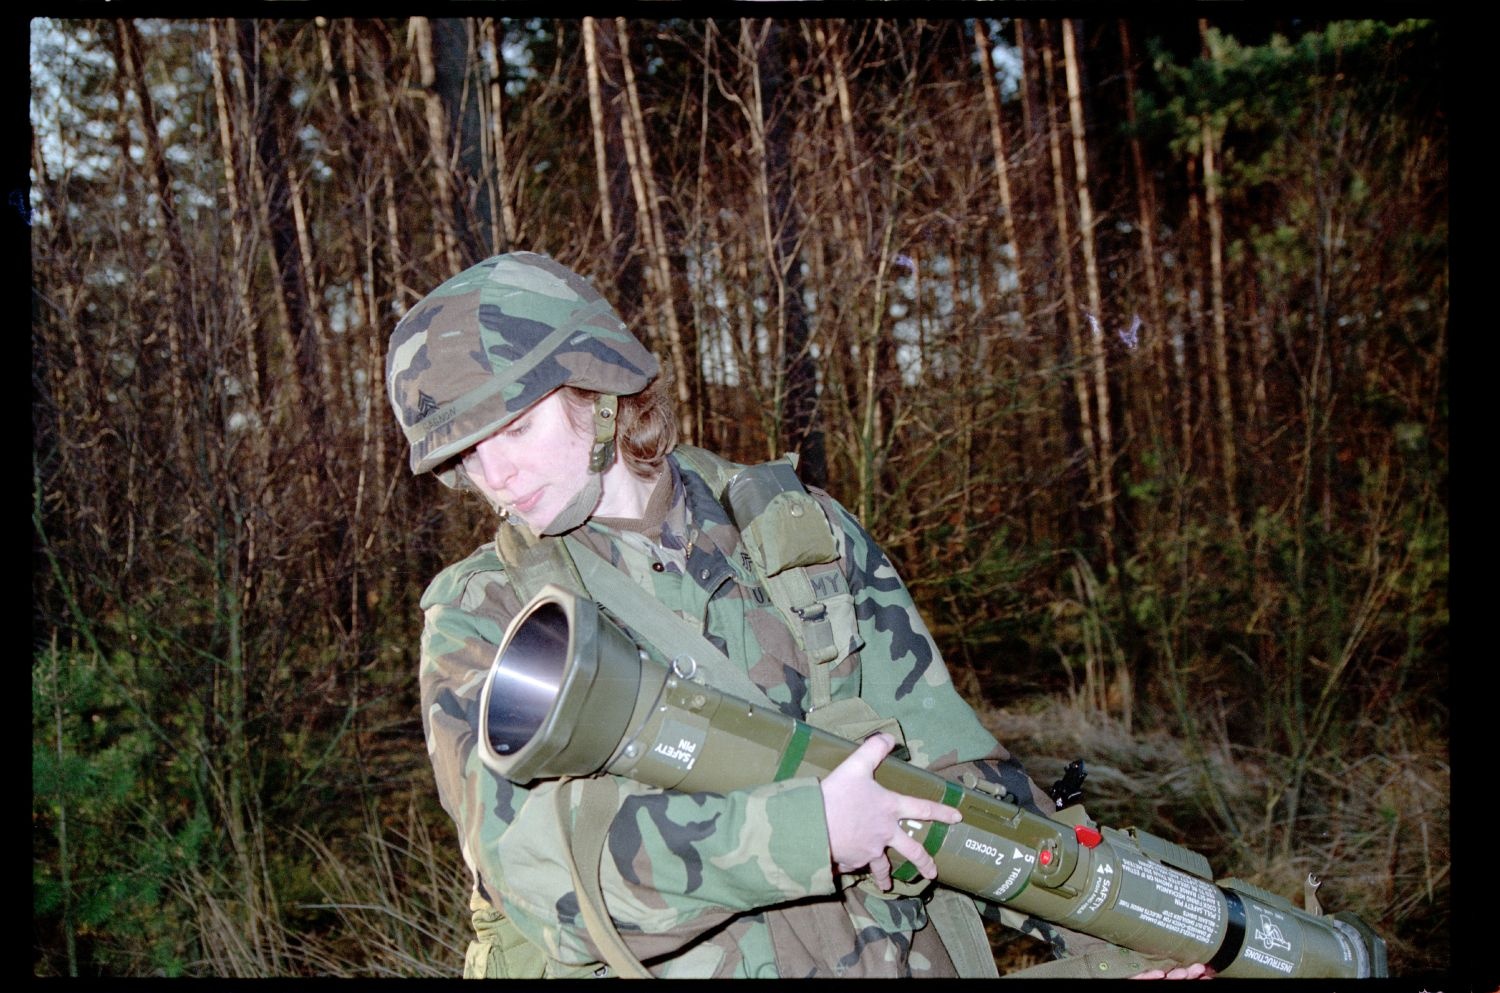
x=655, y=514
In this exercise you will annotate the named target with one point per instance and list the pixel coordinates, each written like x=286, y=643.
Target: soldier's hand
x=1195, y=971
x=864, y=818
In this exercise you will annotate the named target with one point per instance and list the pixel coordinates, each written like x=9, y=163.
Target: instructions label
x=1183, y=904
x=1256, y=955
x=1270, y=939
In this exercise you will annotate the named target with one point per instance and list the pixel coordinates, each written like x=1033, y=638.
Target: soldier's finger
x=871, y=752
x=915, y=854
x=880, y=871
x=917, y=809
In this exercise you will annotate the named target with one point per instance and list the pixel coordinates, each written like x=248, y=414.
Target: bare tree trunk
x=1195, y=346
x=754, y=109
x=180, y=316
x=612, y=165
x=251, y=118
x=498, y=173
x=597, y=116
x=854, y=236
x=781, y=237
x=240, y=228
x=388, y=136
x=1028, y=437
x=237, y=144
x=1105, y=456
x=280, y=209
x=1033, y=137
x=1077, y=369
x=347, y=139
x=378, y=277
x=1261, y=335
x=1054, y=440
x=874, y=426
x=1223, y=397
x=445, y=231
x=315, y=333
x=1158, y=400
x=1002, y=164
x=350, y=356
x=848, y=164
x=659, y=274
x=699, y=237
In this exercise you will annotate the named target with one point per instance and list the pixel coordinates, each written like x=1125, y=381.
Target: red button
x=1044, y=856
x=1088, y=837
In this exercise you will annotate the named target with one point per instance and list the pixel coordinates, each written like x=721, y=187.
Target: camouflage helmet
x=477, y=351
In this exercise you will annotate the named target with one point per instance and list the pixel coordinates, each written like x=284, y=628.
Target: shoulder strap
x=662, y=628
x=714, y=468
x=962, y=931
x=532, y=562
x=584, y=853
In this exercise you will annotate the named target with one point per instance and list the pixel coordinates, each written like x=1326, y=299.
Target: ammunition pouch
x=856, y=720
x=780, y=523
x=793, y=550
x=500, y=951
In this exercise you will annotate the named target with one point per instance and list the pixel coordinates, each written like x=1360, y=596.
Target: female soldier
x=516, y=379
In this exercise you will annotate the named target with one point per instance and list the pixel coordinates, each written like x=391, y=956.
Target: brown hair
x=647, y=428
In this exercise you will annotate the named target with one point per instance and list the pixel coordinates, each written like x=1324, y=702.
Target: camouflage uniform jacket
x=737, y=884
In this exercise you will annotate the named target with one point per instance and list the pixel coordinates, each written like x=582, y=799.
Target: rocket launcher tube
x=570, y=694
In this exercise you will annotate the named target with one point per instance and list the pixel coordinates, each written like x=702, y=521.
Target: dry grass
x=402, y=907
x=394, y=903
x=1375, y=829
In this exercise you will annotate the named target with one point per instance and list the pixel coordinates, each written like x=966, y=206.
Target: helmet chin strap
x=601, y=456
x=579, y=509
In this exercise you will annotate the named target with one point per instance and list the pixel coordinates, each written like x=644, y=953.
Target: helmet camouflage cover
x=474, y=353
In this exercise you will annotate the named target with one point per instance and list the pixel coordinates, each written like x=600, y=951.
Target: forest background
x=1127, y=338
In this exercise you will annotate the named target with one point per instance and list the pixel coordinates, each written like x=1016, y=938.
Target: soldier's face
x=536, y=464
